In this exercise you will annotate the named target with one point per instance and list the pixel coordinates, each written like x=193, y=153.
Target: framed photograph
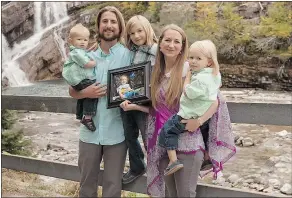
x=129, y=83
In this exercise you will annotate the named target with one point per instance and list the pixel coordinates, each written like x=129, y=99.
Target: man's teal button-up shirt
x=108, y=122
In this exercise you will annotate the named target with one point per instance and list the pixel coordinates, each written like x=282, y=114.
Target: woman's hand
x=128, y=106
x=191, y=125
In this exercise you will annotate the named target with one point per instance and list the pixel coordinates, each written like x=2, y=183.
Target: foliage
x=225, y=30
x=154, y=8
x=8, y=118
x=206, y=24
x=130, y=9
x=278, y=22
x=237, y=38
x=12, y=141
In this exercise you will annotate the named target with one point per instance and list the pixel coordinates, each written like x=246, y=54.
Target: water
x=48, y=15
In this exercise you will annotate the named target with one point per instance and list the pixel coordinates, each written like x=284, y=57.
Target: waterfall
x=55, y=13
x=37, y=16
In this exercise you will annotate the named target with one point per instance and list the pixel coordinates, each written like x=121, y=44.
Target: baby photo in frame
x=129, y=83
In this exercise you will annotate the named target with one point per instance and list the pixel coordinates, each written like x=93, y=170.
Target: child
x=200, y=91
x=79, y=72
x=124, y=90
x=141, y=40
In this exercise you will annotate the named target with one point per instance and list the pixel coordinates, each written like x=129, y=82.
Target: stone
x=268, y=190
x=275, y=183
x=171, y=13
x=274, y=159
x=14, y=15
x=253, y=176
x=247, y=142
x=54, y=147
x=240, y=180
x=249, y=181
x=260, y=187
x=253, y=186
x=219, y=181
x=239, y=141
x=233, y=178
x=271, y=144
x=283, y=133
x=286, y=189
x=280, y=165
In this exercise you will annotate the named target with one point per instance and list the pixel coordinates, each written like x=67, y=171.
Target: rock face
x=271, y=73
x=17, y=20
x=171, y=12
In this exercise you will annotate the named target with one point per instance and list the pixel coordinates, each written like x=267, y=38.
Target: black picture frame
x=136, y=89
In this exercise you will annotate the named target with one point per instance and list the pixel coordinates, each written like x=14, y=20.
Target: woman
x=166, y=88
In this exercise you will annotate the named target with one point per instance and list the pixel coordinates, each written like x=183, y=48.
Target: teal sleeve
x=195, y=89
x=80, y=57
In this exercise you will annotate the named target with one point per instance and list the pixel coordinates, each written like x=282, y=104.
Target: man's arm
x=95, y=90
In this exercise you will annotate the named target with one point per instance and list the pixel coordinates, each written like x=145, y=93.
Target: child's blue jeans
x=168, y=137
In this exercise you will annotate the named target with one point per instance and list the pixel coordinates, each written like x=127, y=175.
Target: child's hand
x=191, y=125
x=128, y=106
x=93, y=47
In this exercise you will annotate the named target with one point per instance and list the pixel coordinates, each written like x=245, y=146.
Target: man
x=107, y=141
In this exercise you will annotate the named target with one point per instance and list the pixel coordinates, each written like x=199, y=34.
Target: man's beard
x=113, y=37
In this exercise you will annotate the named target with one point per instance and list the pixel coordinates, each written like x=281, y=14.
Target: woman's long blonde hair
x=175, y=82
x=208, y=48
x=150, y=34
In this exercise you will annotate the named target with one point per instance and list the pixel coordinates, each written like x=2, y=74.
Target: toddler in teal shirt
x=79, y=72
x=200, y=91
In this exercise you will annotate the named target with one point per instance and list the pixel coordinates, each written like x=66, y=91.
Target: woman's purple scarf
x=221, y=144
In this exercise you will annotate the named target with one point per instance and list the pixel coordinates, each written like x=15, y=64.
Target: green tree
x=12, y=140
x=278, y=22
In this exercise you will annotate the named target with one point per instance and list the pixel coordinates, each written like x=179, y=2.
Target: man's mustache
x=108, y=29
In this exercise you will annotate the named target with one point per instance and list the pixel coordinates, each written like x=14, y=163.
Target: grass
x=17, y=183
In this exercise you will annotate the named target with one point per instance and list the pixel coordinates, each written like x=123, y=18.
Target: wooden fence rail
x=53, y=97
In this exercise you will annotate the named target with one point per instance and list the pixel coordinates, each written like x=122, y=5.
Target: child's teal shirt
x=74, y=71
x=108, y=122
x=199, y=95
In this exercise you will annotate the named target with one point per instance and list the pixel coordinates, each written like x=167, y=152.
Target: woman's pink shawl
x=221, y=142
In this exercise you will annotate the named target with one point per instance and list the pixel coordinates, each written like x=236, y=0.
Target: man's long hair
x=120, y=19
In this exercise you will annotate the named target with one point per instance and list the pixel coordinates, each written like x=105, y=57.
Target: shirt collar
x=112, y=50
x=204, y=70
x=144, y=48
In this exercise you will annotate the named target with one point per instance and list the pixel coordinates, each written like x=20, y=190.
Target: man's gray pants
x=183, y=183
x=90, y=156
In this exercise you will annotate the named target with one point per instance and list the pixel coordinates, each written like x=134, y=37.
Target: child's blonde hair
x=124, y=75
x=150, y=34
x=78, y=30
x=208, y=48
x=175, y=83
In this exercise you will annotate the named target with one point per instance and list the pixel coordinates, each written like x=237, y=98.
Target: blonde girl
x=142, y=42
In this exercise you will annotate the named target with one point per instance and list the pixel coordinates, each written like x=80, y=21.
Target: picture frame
x=129, y=83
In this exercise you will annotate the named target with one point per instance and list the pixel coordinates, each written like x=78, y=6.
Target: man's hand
x=95, y=90
x=191, y=125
